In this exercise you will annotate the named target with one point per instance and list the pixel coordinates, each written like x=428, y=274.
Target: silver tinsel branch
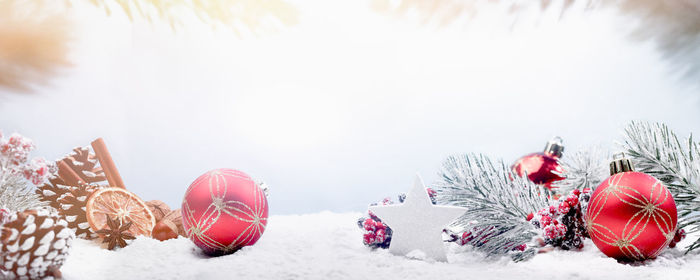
x=584, y=169
x=498, y=203
x=657, y=151
x=17, y=195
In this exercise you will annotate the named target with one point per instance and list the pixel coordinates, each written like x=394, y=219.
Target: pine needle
x=657, y=151
x=497, y=200
x=585, y=169
x=16, y=195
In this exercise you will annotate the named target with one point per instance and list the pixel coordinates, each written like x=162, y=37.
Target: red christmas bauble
x=224, y=210
x=539, y=168
x=631, y=216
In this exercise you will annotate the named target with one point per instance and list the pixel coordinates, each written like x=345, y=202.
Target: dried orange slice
x=118, y=203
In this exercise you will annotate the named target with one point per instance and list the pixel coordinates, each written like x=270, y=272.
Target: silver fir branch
x=498, y=203
x=17, y=195
x=656, y=150
x=584, y=169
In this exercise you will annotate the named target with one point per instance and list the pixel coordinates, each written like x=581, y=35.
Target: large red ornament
x=224, y=210
x=631, y=216
x=541, y=167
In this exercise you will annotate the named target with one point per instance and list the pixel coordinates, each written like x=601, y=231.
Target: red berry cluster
x=562, y=224
x=14, y=160
x=376, y=234
x=680, y=235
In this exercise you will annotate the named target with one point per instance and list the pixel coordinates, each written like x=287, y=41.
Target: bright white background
x=343, y=108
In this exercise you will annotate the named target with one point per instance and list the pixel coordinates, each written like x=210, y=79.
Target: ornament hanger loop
x=620, y=155
x=554, y=147
x=620, y=164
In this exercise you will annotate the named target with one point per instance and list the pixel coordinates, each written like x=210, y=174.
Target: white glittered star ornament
x=417, y=224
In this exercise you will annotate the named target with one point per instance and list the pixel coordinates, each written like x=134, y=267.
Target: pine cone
x=72, y=208
x=69, y=197
x=51, y=191
x=34, y=244
x=85, y=164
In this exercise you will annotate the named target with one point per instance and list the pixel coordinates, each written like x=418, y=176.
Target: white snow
x=329, y=246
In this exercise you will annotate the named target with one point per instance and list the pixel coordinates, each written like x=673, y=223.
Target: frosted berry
x=368, y=224
x=562, y=224
x=530, y=216
x=564, y=207
x=572, y=200
x=550, y=232
x=545, y=221
x=379, y=226
x=380, y=236
x=561, y=230
x=680, y=235
x=368, y=238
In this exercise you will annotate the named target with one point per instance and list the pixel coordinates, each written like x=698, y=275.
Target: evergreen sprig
x=17, y=195
x=585, y=169
x=656, y=150
x=498, y=203
x=239, y=15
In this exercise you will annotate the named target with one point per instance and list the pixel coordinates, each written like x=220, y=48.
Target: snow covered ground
x=329, y=246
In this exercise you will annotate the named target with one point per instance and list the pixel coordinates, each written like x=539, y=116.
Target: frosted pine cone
x=51, y=191
x=70, y=202
x=34, y=244
x=72, y=208
x=69, y=196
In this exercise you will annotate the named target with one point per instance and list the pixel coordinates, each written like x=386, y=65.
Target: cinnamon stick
x=108, y=167
x=68, y=174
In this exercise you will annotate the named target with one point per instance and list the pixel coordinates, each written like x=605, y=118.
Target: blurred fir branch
x=657, y=151
x=35, y=34
x=672, y=26
x=34, y=43
x=250, y=15
x=585, y=169
x=498, y=203
x=17, y=195
x=446, y=12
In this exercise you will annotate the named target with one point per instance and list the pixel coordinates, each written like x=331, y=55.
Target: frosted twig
x=498, y=203
x=586, y=168
x=657, y=151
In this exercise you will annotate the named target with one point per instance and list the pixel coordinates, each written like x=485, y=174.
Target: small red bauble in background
x=224, y=210
x=631, y=215
x=540, y=166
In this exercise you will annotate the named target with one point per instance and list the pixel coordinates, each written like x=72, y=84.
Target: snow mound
x=329, y=246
